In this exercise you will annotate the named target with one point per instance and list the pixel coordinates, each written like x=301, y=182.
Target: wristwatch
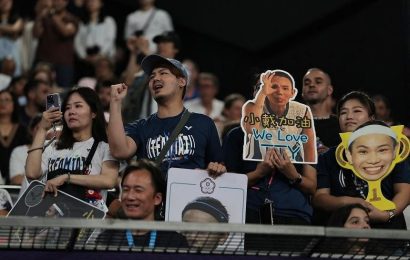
x=296, y=181
x=391, y=215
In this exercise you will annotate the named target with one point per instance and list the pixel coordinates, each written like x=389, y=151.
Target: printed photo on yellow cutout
x=371, y=152
x=274, y=120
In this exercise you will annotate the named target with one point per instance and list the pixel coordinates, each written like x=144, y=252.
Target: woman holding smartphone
x=79, y=162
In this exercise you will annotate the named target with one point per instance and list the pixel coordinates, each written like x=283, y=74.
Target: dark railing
x=23, y=233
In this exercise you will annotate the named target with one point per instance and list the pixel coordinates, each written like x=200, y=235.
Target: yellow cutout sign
x=371, y=153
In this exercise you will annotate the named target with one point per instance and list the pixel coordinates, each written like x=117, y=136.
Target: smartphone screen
x=53, y=100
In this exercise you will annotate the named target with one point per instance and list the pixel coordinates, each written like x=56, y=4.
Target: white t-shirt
x=17, y=165
x=161, y=22
x=74, y=159
x=195, y=105
x=100, y=34
x=18, y=161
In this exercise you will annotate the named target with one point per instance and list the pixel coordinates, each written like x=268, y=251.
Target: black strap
x=175, y=133
x=149, y=20
x=90, y=155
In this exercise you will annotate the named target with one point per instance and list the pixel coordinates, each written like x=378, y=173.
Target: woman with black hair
x=350, y=216
x=354, y=216
x=12, y=133
x=96, y=34
x=79, y=162
x=337, y=187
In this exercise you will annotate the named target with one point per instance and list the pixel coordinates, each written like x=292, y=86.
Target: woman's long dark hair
x=339, y=217
x=66, y=140
x=101, y=15
x=15, y=114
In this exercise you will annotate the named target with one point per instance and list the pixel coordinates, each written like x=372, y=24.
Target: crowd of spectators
x=142, y=105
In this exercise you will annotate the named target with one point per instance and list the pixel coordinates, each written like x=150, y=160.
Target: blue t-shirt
x=343, y=182
x=196, y=145
x=288, y=201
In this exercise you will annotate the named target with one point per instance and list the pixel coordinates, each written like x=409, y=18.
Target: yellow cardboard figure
x=372, y=152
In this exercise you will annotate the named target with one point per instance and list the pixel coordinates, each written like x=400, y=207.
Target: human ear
x=157, y=198
x=181, y=82
x=349, y=156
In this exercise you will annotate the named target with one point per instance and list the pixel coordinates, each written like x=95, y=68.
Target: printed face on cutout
x=282, y=90
x=205, y=240
x=371, y=155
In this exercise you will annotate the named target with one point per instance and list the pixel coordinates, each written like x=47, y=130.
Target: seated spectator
x=5, y=202
x=207, y=103
x=12, y=133
x=231, y=114
x=17, y=88
x=350, y=216
x=103, y=90
x=148, y=21
x=44, y=71
x=79, y=162
x=36, y=92
x=7, y=67
x=205, y=210
x=383, y=112
x=338, y=187
x=96, y=33
x=193, y=72
x=143, y=192
x=102, y=69
x=353, y=216
x=19, y=155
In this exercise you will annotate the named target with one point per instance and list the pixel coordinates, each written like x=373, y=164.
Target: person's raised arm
x=254, y=109
x=121, y=146
x=41, y=13
x=34, y=156
x=13, y=30
x=67, y=29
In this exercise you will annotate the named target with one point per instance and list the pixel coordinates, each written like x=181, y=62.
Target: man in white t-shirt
x=206, y=103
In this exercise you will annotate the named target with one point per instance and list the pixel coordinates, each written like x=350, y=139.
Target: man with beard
x=317, y=94
x=197, y=144
x=36, y=92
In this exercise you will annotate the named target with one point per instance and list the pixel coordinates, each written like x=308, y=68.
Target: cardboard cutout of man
x=273, y=120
